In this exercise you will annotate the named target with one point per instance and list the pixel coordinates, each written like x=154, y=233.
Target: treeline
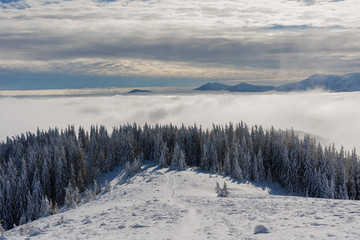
x=36, y=169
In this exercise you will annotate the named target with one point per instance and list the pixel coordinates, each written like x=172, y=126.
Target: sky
x=132, y=43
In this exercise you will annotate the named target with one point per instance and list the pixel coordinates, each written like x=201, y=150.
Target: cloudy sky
x=130, y=43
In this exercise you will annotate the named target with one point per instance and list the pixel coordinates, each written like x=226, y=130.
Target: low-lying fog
x=334, y=117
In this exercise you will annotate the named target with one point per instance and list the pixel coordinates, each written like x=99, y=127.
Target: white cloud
x=333, y=116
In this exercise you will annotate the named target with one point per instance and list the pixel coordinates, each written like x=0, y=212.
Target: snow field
x=167, y=204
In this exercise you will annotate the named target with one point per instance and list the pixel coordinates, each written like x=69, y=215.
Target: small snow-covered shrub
x=133, y=168
x=72, y=196
x=62, y=220
x=88, y=195
x=97, y=188
x=225, y=191
x=107, y=186
x=27, y=229
x=54, y=207
x=221, y=192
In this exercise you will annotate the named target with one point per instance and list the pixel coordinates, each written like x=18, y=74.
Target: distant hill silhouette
x=139, y=91
x=334, y=83
x=214, y=87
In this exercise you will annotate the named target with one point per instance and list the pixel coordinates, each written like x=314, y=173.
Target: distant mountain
x=139, y=91
x=242, y=87
x=214, y=87
x=335, y=83
x=245, y=87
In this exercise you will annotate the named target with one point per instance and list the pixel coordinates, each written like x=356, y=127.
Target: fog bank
x=332, y=116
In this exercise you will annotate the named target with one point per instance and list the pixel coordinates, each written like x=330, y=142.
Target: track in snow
x=189, y=224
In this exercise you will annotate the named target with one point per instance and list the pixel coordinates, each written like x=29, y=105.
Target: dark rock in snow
x=260, y=229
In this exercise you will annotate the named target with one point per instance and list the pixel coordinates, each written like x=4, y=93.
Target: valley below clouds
x=331, y=117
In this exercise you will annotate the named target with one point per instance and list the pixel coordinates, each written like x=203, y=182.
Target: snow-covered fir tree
x=178, y=159
x=221, y=192
x=163, y=161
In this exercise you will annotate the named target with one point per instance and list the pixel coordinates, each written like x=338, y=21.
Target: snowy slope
x=163, y=204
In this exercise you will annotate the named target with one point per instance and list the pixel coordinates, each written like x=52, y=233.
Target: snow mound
x=260, y=229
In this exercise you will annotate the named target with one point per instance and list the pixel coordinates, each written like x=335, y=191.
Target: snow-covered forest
x=36, y=170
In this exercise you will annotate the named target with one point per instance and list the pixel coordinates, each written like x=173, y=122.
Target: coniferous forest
x=37, y=170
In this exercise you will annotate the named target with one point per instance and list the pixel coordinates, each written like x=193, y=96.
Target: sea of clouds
x=333, y=117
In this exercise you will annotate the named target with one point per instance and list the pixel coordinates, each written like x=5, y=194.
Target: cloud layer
x=332, y=116
x=190, y=39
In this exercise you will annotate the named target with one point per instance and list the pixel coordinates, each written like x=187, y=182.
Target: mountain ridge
x=333, y=83
x=136, y=90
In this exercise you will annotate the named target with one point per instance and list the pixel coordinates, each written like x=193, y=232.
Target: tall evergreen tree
x=227, y=166
x=340, y=182
x=234, y=155
x=178, y=160
x=163, y=161
x=260, y=166
x=352, y=179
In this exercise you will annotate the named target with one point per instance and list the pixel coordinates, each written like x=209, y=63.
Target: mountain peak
x=139, y=91
x=241, y=87
x=213, y=87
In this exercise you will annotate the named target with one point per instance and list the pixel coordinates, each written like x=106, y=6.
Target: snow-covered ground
x=167, y=204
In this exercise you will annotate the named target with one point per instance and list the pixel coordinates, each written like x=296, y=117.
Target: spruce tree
x=352, y=188
x=260, y=165
x=340, y=183
x=163, y=162
x=178, y=161
x=237, y=173
x=227, y=164
x=225, y=191
x=45, y=208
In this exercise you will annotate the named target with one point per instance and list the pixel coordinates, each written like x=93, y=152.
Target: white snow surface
x=167, y=204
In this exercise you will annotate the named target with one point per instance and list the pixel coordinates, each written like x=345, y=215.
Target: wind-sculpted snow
x=166, y=204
